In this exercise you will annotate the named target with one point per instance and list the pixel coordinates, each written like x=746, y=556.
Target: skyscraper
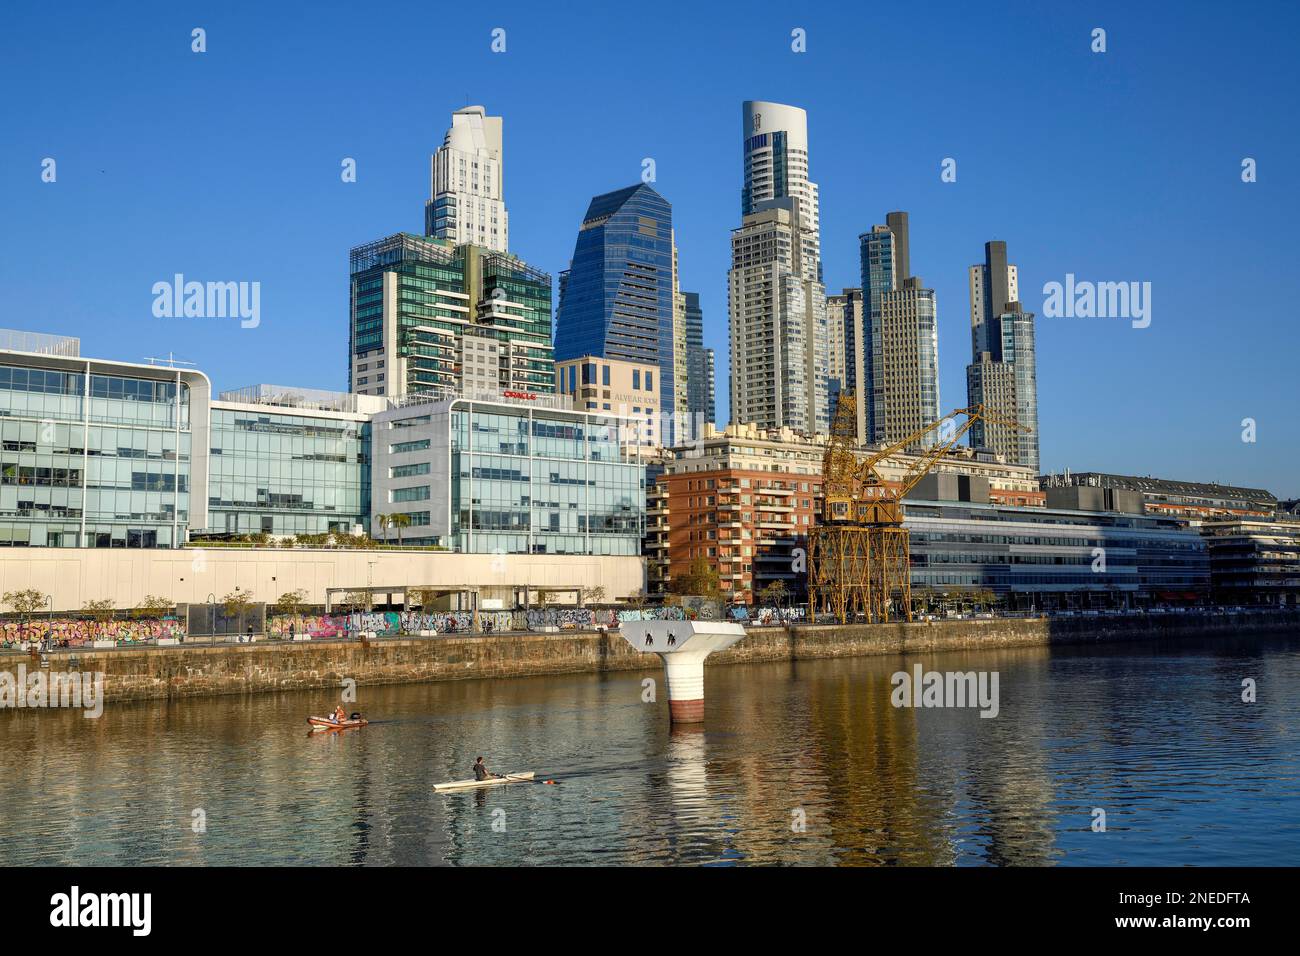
x=466, y=203
x=845, y=318
x=616, y=297
x=427, y=315
x=776, y=300
x=900, y=341
x=993, y=284
x=1003, y=372
x=699, y=362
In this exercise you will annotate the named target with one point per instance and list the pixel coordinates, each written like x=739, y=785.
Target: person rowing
x=481, y=771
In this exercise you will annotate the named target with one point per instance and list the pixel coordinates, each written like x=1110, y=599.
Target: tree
x=593, y=595
x=399, y=520
x=100, y=611
x=353, y=600
x=774, y=594
x=237, y=603
x=636, y=599
x=700, y=579
x=291, y=603
x=26, y=603
x=383, y=521
x=152, y=607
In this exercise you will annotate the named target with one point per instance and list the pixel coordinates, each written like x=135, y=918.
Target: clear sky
x=1115, y=166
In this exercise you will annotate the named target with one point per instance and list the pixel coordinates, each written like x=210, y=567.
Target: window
x=402, y=447
x=636, y=380
x=417, y=493
x=408, y=471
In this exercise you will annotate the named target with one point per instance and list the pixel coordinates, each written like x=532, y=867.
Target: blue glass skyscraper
x=616, y=298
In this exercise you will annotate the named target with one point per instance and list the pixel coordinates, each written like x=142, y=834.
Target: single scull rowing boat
x=525, y=777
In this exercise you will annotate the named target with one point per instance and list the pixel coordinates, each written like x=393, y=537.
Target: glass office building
x=484, y=477
x=1054, y=558
x=415, y=298
x=288, y=462
x=94, y=453
x=616, y=299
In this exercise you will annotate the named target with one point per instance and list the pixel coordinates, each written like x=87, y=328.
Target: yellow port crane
x=859, y=558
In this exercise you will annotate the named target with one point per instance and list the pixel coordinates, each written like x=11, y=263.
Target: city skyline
x=1112, y=396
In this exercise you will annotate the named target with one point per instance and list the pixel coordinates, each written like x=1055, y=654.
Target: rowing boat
x=329, y=723
x=524, y=777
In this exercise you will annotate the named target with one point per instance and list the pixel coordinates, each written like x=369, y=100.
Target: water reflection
x=1185, y=771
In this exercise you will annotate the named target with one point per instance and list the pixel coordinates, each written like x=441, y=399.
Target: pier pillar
x=682, y=646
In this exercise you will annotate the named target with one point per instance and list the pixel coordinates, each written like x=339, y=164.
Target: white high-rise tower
x=777, y=304
x=467, y=189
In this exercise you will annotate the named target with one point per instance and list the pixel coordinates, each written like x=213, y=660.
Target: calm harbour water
x=1157, y=737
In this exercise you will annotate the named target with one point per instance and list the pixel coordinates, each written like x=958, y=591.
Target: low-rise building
x=744, y=498
x=1054, y=558
x=289, y=461
x=1254, y=561
x=1183, y=499
x=509, y=477
x=98, y=453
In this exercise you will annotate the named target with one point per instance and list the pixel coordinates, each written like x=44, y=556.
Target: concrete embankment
x=192, y=671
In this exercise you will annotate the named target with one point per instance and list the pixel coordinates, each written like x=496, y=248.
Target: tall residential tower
x=467, y=203
x=1003, y=371
x=776, y=300
x=900, y=340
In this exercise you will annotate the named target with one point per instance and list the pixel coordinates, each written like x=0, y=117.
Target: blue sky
x=1118, y=166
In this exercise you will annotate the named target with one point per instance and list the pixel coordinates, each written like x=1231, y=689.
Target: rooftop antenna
x=171, y=361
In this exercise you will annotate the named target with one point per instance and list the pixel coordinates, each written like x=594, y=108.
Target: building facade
x=776, y=307
x=743, y=499
x=900, y=340
x=1048, y=558
x=700, y=401
x=625, y=389
x=1254, y=561
x=415, y=298
x=1193, y=500
x=289, y=462
x=467, y=183
x=1003, y=374
x=777, y=325
x=509, y=477
x=617, y=298
x=96, y=453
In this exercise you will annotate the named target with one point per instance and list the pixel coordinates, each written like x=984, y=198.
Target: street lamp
x=212, y=629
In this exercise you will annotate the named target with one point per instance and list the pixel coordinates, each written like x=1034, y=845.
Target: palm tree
x=383, y=521
x=399, y=520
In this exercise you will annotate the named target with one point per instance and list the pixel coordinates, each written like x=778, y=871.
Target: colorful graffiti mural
x=394, y=623
x=764, y=616
x=66, y=632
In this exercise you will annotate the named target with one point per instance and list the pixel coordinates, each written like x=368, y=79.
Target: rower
x=481, y=771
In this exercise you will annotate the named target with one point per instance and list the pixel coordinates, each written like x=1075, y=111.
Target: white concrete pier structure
x=682, y=646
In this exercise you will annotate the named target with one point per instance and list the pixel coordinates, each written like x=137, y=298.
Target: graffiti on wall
x=66, y=632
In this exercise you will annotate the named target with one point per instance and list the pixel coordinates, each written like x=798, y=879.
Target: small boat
x=329, y=723
x=523, y=777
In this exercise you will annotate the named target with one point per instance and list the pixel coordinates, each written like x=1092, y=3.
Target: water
x=1159, y=739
